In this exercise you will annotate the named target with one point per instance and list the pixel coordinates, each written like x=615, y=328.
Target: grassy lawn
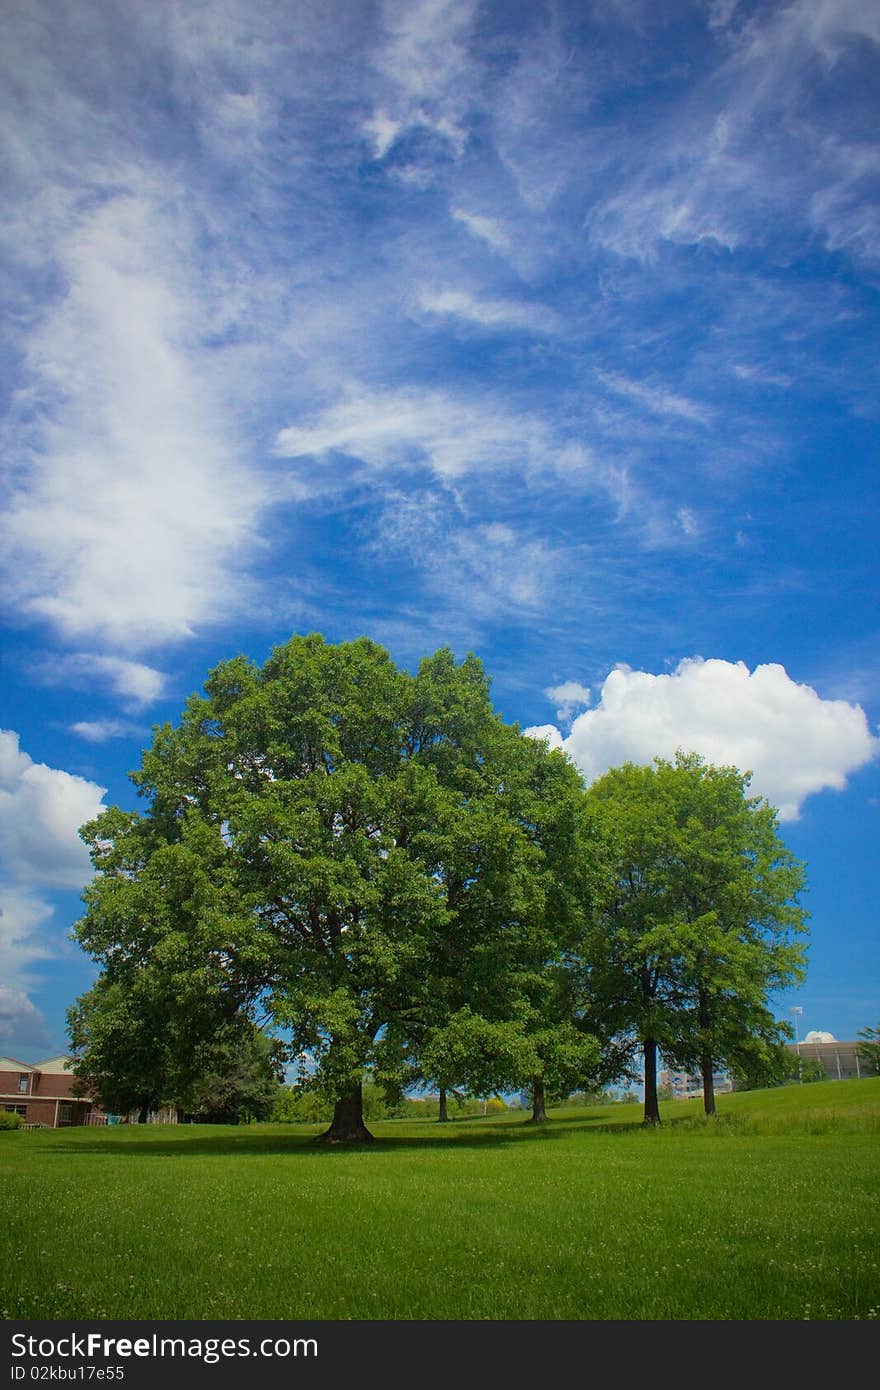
x=770, y=1212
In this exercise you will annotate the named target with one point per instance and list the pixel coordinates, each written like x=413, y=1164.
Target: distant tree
x=869, y=1049
x=239, y=1079
x=808, y=1069
x=134, y=1050
x=699, y=920
x=765, y=1064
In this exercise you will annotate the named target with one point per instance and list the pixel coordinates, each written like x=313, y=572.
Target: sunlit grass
x=769, y=1212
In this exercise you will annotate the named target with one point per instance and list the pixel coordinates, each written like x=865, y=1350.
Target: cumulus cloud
x=794, y=742
x=21, y=1020
x=41, y=810
x=569, y=696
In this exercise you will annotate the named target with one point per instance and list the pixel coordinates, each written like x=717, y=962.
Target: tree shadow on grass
x=295, y=1142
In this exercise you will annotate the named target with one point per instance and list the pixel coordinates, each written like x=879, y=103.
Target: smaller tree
x=699, y=922
x=238, y=1081
x=134, y=1050
x=869, y=1049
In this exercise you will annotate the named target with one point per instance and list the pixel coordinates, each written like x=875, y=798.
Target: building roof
x=54, y=1066
x=51, y=1066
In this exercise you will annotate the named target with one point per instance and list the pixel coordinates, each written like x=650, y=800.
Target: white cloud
x=132, y=679
x=100, y=730
x=483, y=570
x=136, y=684
x=23, y=938
x=21, y=1020
x=761, y=144
x=484, y=228
x=569, y=696
x=399, y=429
x=548, y=733
x=656, y=399
x=794, y=742
x=131, y=507
x=41, y=810
x=383, y=131
x=687, y=521
x=487, y=313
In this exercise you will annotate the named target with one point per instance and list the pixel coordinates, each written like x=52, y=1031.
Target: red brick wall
x=9, y=1082
x=55, y=1085
x=39, y=1112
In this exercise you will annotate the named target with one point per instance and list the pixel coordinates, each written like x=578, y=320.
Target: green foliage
x=137, y=1046
x=360, y=851
x=764, y=1065
x=869, y=1049
x=238, y=1081
x=296, y=1106
x=697, y=921
x=9, y=1120
x=809, y=1070
x=293, y=1106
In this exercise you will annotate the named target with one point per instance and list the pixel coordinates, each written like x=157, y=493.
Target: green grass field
x=770, y=1212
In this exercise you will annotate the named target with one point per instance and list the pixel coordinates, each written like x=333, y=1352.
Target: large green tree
x=354, y=848
x=699, y=921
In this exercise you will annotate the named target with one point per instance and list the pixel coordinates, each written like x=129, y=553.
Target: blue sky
x=547, y=331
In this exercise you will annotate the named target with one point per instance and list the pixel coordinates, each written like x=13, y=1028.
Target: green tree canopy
x=358, y=850
x=698, y=922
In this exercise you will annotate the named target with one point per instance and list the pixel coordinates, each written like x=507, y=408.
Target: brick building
x=42, y=1094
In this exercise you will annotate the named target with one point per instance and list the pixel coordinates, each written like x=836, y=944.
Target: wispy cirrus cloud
x=133, y=682
x=768, y=130
x=655, y=399
x=489, y=314
x=134, y=504
x=102, y=730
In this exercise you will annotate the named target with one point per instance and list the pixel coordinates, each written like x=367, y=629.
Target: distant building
x=685, y=1085
x=42, y=1094
x=840, y=1060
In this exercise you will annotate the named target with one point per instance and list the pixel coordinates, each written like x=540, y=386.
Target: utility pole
x=797, y=1011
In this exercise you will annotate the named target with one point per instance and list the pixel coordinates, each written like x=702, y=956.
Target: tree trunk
x=444, y=1113
x=652, y=1108
x=704, y=1018
x=707, y=1069
x=539, y=1107
x=348, y=1119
